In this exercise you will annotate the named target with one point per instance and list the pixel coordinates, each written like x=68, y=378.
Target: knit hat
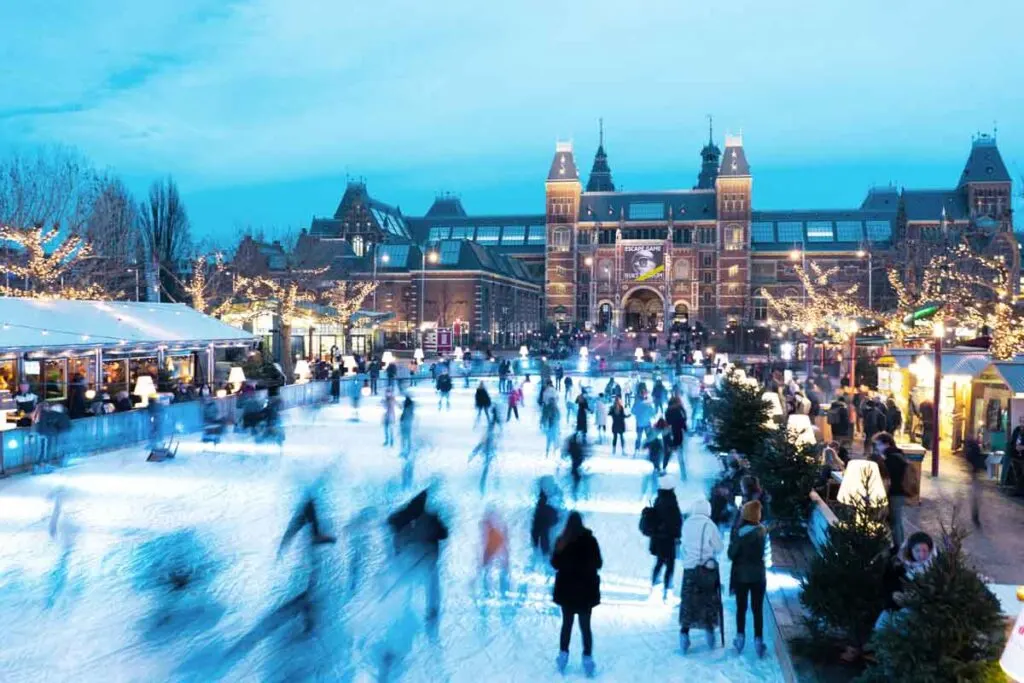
x=752, y=512
x=666, y=482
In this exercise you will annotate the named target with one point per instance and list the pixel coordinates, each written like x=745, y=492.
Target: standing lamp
x=302, y=370
x=387, y=358
x=1012, y=661
x=853, y=490
x=144, y=389
x=236, y=378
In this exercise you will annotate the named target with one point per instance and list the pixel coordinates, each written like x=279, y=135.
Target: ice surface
x=78, y=604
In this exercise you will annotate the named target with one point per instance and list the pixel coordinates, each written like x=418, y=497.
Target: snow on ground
x=73, y=604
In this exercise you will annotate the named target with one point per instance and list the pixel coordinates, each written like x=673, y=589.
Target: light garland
x=44, y=272
x=824, y=308
x=345, y=299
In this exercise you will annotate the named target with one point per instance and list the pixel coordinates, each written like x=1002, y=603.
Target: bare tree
x=164, y=230
x=342, y=301
x=52, y=188
x=41, y=265
x=446, y=307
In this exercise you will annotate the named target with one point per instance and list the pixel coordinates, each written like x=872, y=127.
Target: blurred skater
x=389, y=417
x=407, y=454
x=488, y=446
x=418, y=533
x=545, y=518
x=494, y=533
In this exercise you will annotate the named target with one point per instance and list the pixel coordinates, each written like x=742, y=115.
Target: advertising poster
x=643, y=262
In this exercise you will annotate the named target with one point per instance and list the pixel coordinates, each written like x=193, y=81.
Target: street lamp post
x=385, y=258
x=938, y=331
x=853, y=370
x=801, y=255
x=592, y=304
x=861, y=253
x=424, y=257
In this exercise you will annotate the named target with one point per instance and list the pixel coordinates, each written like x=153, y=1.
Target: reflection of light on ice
x=781, y=581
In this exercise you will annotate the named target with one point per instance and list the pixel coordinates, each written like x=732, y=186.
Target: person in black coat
x=893, y=416
x=675, y=416
x=420, y=531
x=618, y=416
x=894, y=466
x=545, y=516
x=576, y=559
x=483, y=402
x=667, y=532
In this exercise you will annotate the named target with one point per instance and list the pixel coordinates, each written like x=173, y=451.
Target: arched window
x=760, y=304
x=682, y=313
x=358, y=245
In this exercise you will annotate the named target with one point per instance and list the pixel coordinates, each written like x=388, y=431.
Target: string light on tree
x=44, y=263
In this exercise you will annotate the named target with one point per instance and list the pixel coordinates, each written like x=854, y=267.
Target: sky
x=261, y=109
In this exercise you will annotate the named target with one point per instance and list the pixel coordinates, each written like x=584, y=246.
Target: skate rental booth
x=50, y=343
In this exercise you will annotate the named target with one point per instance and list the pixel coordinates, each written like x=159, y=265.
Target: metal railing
x=24, y=447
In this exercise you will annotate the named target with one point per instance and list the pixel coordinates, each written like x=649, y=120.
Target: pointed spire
x=709, y=157
x=600, y=173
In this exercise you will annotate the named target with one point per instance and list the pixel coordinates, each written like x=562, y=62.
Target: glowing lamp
x=144, y=388
x=1012, y=660
x=584, y=352
x=365, y=391
x=938, y=329
x=853, y=488
x=90, y=394
x=221, y=393
x=709, y=380
x=418, y=355
x=457, y=353
x=786, y=351
x=801, y=429
x=301, y=370
x=350, y=363
x=387, y=358
x=524, y=352
x=638, y=354
x=236, y=378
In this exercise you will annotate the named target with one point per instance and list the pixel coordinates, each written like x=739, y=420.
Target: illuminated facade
x=646, y=260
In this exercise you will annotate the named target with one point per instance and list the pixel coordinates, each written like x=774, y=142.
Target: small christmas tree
x=740, y=417
x=786, y=471
x=949, y=628
x=843, y=590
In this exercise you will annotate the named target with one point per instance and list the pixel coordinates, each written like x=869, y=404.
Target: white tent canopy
x=27, y=324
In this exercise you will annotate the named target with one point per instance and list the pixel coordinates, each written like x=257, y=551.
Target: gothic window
x=560, y=239
x=760, y=304
x=707, y=297
x=708, y=277
x=358, y=245
x=734, y=271
x=733, y=238
x=706, y=235
x=763, y=271
x=707, y=260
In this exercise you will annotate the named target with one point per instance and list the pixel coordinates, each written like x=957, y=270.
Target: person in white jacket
x=701, y=603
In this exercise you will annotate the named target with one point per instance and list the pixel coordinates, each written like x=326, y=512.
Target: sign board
x=644, y=262
x=1012, y=660
x=443, y=340
x=430, y=341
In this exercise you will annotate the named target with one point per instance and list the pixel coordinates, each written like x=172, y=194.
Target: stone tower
x=732, y=189
x=562, y=192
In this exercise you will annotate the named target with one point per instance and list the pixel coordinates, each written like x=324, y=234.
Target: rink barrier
x=23, y=448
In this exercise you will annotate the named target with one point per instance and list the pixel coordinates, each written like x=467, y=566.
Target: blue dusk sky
x=261, y=108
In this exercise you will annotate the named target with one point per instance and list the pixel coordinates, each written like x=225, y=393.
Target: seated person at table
x=25, y=399
x=831, y=462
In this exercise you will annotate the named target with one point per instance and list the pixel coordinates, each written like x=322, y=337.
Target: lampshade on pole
x=302, y=370
x=144, y=389
x=853, y=489
x=387, y=358
x=236, y=378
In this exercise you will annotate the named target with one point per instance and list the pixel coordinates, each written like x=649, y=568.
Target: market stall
x=998, y=403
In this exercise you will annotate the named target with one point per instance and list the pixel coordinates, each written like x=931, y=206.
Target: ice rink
x=75, y=604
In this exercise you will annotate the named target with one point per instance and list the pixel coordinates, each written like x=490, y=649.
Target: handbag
x=707, y=578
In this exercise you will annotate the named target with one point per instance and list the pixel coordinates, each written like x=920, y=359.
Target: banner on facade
x=643, y=262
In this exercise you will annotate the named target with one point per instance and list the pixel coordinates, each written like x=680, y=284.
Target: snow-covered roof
x=58, y=323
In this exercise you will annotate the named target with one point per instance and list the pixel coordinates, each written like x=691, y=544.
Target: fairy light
x=43, y=264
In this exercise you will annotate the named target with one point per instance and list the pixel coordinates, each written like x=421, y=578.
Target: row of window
x=795, y=232
x=490, y=234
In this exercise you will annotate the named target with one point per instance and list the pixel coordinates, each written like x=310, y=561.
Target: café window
x=83, y=368
x=180, y=368
x=8, y=371
x=115, y=376
x=47, y=379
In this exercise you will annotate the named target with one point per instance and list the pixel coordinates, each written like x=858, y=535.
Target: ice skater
x=417, y=535
x=483, y=403
x=63, y=533
x=549, y=420
x=494, y=533
x=576, y=451
x=389, y=417
x=407, y=422
x=545, y=518
x=488, y=446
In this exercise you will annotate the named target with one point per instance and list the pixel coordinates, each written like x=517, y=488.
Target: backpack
x=648, y=521
x=911, y=487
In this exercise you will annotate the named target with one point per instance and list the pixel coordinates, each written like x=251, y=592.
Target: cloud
x=273, y=89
